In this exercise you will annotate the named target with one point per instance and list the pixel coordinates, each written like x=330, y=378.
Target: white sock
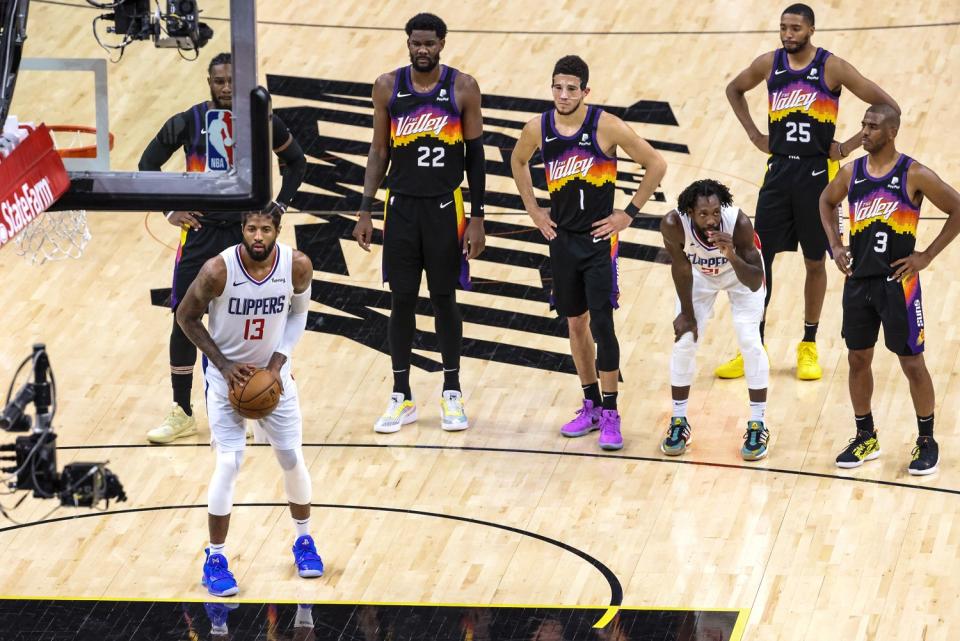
x=680, y=408
x=303, y=527
x=757, y=410
x=218, y=548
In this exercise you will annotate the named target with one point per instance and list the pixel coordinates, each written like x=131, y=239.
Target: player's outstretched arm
x=614, y=132
x=736, y=90
x=672, y=230
x=377, y=159
x=520, y=165
x=468, y=97
x=297, y=314
x=863, y=88
x=830, y=199
x=209, y=284
x=925, y=181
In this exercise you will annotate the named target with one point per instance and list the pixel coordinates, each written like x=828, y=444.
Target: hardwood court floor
x=813, y=553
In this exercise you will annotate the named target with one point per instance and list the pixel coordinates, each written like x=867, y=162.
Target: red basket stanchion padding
x=32, y=178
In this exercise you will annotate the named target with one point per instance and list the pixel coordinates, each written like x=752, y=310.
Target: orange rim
x=83, y=151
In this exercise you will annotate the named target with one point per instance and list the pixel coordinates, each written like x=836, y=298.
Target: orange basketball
x=258, y=397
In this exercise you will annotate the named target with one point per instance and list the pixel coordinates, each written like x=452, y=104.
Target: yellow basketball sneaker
x=732, y=368
x=176, y=425
x=808, y=368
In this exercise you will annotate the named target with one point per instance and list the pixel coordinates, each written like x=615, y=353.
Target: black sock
x=810, y=332
x=449, y=329
x=401, y=383
x=865, y=423
x=925, y=425
x=182, y=384
x=400, y=333
x=451, y=379
x=591, y=392
x=610, y=401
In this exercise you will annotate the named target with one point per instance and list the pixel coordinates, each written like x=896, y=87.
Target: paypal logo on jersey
x=256, y=306
x=219, y=128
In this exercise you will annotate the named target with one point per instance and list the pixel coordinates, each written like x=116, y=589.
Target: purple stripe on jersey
x=453, y=89
x=914, y=303
x=396, y=87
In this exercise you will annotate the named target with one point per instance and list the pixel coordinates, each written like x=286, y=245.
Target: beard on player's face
x=258, y=250
x=424, y=63
x=225, y=102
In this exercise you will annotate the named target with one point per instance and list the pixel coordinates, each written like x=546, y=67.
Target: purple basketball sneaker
x=610, y=438
x=587, y=420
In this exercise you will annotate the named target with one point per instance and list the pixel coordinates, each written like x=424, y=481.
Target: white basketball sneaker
x=453, y=417
x=399, y=412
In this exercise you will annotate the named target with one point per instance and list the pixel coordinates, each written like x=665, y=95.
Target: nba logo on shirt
x=219, y=140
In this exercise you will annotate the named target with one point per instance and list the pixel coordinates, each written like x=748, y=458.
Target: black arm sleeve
x=476, y=176
x=170, y=137
x=293, y=164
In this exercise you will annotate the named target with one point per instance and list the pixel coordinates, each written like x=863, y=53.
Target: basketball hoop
x=56, y=235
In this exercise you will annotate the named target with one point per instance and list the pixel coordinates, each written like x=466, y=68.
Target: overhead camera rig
x=35, y=454
x=178, y=27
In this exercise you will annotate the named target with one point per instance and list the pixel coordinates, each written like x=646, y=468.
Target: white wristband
x=168, y=214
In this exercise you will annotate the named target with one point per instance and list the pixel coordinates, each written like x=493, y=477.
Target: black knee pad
x=403, y=304
x=608, y=348
x=445, y=305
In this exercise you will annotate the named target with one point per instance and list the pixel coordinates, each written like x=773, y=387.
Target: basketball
x=258, y=397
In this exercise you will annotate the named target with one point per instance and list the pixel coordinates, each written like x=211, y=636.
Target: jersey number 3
x=424, y=160
x=881, y=245
x=253, y=329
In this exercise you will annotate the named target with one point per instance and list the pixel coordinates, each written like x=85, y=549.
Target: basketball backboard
x=67, y=77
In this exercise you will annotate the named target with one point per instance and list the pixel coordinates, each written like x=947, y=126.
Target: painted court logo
x=333, y=124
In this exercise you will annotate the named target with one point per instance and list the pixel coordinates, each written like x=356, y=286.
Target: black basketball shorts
x=197, y=246
x=871, y=302
x=585, y=274
x=788, y=207
x=424, y=235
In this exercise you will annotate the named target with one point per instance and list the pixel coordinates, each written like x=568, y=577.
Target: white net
x=56, y=235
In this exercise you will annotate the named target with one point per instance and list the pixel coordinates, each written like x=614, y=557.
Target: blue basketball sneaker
x=217, y=578
x=305, y=557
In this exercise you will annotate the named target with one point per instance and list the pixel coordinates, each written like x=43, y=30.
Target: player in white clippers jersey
x=713, y=248
x=257, y=294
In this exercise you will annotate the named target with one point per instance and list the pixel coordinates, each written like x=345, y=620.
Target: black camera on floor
x=35, y=454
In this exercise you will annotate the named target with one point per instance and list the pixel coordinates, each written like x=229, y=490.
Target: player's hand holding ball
x=258, y=395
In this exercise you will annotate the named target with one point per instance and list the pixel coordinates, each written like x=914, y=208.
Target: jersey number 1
x=253, y=329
